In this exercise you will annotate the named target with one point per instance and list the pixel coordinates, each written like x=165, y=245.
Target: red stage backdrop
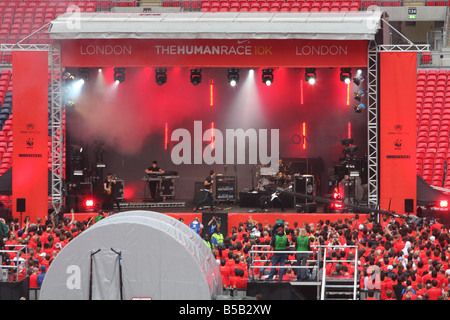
x=30, y=127
x=397, y=130
x=213, y=53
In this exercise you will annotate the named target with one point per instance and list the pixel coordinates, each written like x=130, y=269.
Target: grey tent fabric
x=158, y=261
x=361, y=25
x=208, y=257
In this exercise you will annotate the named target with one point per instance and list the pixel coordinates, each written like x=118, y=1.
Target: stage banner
x=213, y=53
x=397, y=138
x=30, y=127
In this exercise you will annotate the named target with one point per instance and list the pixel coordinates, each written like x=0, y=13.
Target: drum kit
x=269, y=179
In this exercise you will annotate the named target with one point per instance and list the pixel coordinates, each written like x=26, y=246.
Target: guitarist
x=207, y=192
x=109, y=192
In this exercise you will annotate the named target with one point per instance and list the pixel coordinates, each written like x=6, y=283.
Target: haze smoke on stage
x=125, y=116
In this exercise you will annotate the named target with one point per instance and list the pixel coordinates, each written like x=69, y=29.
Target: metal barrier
x=254, y=251
x=318, y=263
x=18, y=264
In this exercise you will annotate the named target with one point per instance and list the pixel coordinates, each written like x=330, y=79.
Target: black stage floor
x=187, y=206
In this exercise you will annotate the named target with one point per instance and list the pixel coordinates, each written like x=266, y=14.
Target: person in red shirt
x=224, y=272
x=434, y=292
x=33, y=273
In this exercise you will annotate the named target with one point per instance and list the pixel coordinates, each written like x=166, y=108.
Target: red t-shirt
x=434, y=293
x=33, y=280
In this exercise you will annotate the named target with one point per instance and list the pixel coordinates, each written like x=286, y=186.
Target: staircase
x=340, y=289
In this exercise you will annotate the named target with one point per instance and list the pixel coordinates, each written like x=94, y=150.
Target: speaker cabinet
x=303, y=184
x=20, y=205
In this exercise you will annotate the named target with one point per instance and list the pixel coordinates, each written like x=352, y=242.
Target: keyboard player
x=156, y=171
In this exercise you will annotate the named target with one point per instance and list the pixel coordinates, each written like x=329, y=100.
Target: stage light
x=160, y=76
x=443, y=203
x=196, y=76
x=89, y=203
x=310, y=75
x=67, y=76
x=119, y=75
x=358, y=95
x=346, y=142
x=350, y=150
x=233, y=76
x=267, y=76
x=346, y=75
x=83, y=74
x=251, y=72
x=358, y=78
x=100, y=70
x=359, y=107
x=336, y=195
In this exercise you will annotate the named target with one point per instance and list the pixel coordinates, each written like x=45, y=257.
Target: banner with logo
x=213, y=53
x=30, y=126
x=397, y=130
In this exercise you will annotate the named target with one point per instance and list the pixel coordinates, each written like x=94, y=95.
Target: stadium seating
x=433, y=124
x=277, y=5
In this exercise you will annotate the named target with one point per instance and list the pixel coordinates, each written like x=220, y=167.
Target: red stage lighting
x=443, y=204
x=336, y=195
x=89, y=203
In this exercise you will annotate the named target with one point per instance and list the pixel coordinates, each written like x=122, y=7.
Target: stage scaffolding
x=57, y=109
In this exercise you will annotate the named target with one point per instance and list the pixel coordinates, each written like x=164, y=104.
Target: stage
x=230, y=214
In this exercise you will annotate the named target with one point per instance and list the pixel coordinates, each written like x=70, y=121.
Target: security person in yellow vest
x=208, y=242
x=279, y=242
x=302, y=244
x=217, y=237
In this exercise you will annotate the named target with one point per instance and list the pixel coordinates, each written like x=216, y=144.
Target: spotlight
x=358, y=78
x=346, y=142
x=267, y=76
x=443, y=203
x=359, y=107
x=310, y=75
x=119, y=75
x=358, y=95
x=233, y=76
x=83, y=74
x=196, y=76
x=346, y=75
x=160, y=76
x=67, y=76
x=89, y=203
x=350, y=150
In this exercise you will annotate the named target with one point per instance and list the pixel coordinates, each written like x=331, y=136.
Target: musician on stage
x=153, y=185
x=110, y=193
x=207, y=191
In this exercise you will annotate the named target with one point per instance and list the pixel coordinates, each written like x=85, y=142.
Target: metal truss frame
x=56, y=114
x=372, y=126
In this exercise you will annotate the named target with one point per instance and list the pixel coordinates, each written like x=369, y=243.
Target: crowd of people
x=397, y=259
x=30, y=248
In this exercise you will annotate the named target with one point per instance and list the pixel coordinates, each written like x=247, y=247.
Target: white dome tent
x=134, y=254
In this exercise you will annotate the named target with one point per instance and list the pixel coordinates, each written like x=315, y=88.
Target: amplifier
x=303, y=184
